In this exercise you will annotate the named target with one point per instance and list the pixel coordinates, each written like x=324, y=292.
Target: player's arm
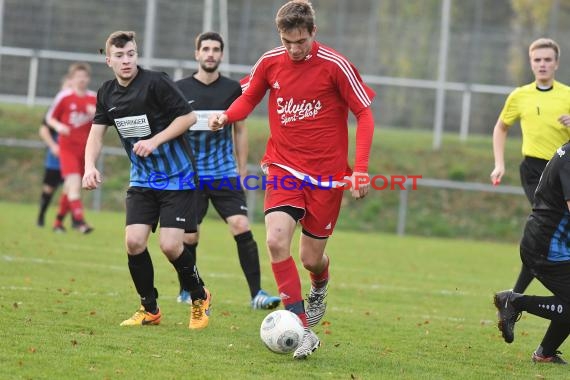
x=499, y=139
x=92, y=177
x=364, y=134
x=255, y=88
x=241, y=147
x=58, y=126
x=177, y=127
x=564, y=120
x=47, y=138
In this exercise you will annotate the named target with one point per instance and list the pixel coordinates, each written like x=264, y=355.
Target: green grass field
x=406, y=308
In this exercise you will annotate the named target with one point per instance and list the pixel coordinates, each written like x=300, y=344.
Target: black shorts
x=52, y=178
x=531, y=169
x=172, y=208
x=227, y=197
x=554, y=275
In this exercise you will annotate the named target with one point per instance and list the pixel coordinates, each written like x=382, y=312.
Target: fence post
x=33, y=80
x=465, y=111
x=402, y=210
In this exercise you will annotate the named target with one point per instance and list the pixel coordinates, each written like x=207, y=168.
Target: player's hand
x=564, y=120
x=91, y=179
x=63, y=130
x=497, y=175
x=91, y=110
x=360, y=184
x=54, y=150
x=217, y=121
x=144, y=148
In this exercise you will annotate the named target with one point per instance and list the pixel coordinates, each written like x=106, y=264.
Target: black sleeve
x=101, y=114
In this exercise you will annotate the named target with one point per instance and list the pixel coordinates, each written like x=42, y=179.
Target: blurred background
x=435, y=64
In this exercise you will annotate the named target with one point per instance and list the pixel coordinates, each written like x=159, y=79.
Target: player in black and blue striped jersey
x=152, y=118
x=219, y=168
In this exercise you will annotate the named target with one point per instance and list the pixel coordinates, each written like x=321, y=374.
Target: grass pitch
x=406, y=308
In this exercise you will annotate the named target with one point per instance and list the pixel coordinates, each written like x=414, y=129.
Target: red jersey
x=308, y=108
x=77, y=113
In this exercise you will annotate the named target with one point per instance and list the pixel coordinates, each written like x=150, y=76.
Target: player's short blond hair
x=545, y=43
x=296, y=14
x=78, y=66
x=119, y=39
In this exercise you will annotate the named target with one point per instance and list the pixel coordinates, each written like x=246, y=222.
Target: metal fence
x=460, y=59
x=404, y=187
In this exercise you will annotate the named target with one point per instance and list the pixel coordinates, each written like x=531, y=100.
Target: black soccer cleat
x=507, y=313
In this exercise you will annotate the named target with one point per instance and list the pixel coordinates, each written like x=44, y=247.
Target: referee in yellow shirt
x=543, y=108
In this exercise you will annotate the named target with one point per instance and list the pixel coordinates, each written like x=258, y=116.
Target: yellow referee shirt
x=538, y=112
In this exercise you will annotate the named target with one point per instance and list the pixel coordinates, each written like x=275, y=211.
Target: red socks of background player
x=63, y=210
x=289, y=286
x=77, y=211
x=65, y=206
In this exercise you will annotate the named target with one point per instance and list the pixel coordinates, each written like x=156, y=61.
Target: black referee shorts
x=531, y=169
x=554, y=275
x=170, y=208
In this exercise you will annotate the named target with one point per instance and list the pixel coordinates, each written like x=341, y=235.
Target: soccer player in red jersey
x=311, y=89
x=71, y=115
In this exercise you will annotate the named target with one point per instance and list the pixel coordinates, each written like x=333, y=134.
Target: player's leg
x=67, y=167
x=280, y=224
x=323, y=208
x=191, y=240
x=176, y=218
x=52, y=179
x=142, y=217
x=75, y=169
x=314, y=259
x=142, y=274
x=555, y=308
x=530, y=171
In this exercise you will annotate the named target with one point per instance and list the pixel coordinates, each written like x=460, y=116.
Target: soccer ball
x=281, y=331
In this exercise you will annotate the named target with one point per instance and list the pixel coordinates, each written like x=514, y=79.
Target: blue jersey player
x=210, y=92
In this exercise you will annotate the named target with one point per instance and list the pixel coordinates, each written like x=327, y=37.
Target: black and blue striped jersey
x=213, y=151
x=139, y=111
x=547, y=230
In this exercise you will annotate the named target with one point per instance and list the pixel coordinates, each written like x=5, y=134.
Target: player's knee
x=191, y=238
x=277, y=246
x=171, y=248
x=238, y=224
x=135, y=244
x=310, y=263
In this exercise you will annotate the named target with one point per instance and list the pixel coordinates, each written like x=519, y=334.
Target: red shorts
x=72, y=162
x=321, y=205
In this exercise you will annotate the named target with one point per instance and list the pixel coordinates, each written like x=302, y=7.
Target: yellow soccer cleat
x=200, y=312
x=142, y=318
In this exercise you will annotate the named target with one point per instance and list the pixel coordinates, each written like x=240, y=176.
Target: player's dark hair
x=296, y=14
x=209, y=36
x=119, y=39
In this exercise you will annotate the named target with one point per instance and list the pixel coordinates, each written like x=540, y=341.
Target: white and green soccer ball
x=281, y=331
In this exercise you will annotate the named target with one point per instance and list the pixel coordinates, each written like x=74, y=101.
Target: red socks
x=289, y=286
x=320, y=280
